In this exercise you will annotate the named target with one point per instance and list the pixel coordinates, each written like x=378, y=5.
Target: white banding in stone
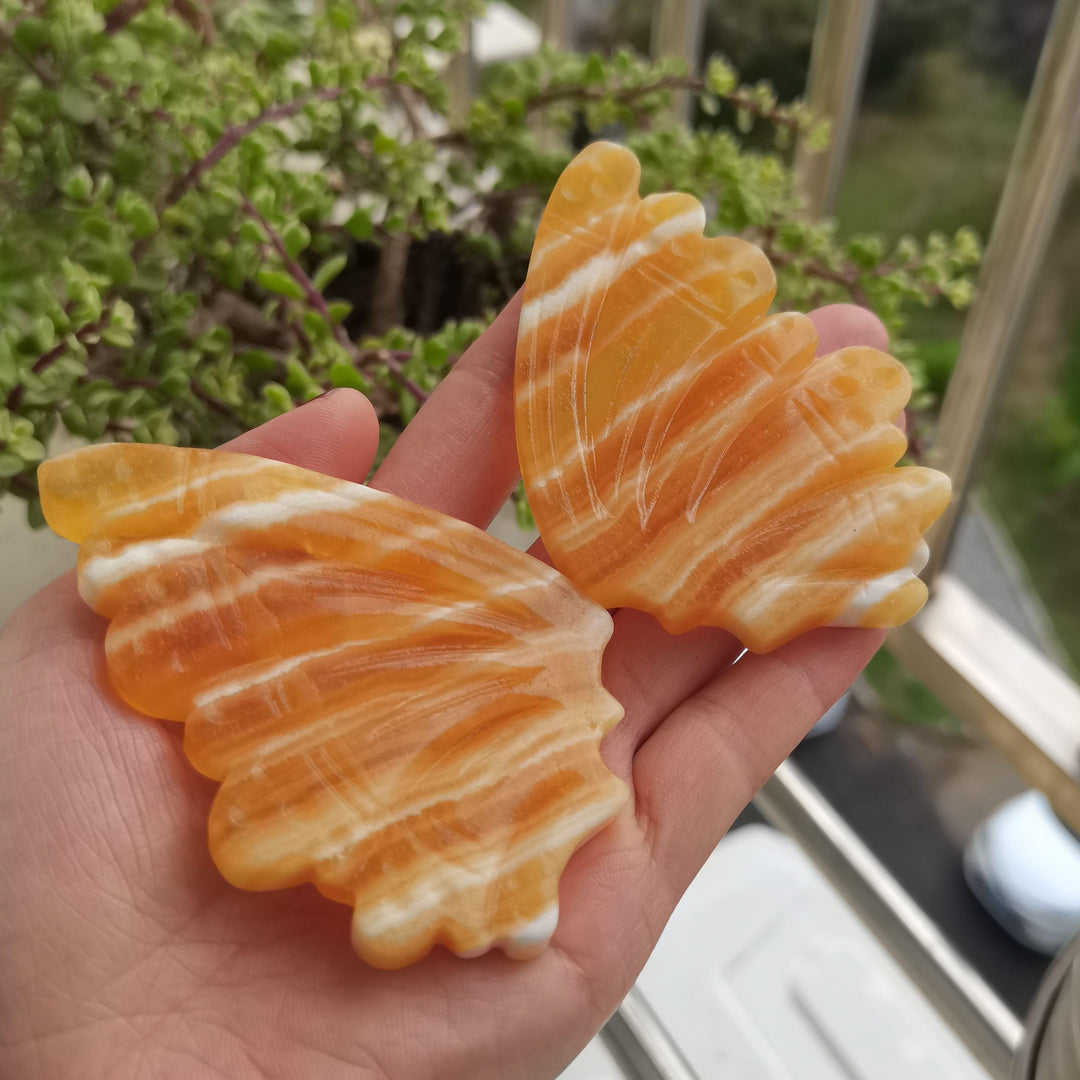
x=598, y=270
x=178, y=491
x=426, y=614
x=527, y=939
x=874, y=591
x=204, y=600
x=284, y=507
x=101, y=571
x=446, y=879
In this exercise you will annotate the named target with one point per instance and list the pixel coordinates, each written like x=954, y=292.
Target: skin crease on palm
x=124, y=953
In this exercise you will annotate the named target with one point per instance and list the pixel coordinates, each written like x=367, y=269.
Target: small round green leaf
x=342, y=374
x=280, y=283
x=76, y=104
x=328, y=270
x=10, y=464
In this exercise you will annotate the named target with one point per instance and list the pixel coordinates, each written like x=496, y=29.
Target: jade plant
x=213, y=211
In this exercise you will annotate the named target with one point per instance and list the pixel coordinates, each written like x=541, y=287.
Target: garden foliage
x=190, y=192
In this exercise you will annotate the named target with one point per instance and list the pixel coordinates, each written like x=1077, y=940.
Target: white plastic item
x=764, y=973
x=593, y=1063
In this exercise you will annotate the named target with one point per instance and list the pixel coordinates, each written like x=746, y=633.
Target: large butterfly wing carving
x=399, y=708
x=685, y=454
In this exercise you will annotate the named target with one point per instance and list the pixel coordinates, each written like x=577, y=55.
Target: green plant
x=211, y=212
x=904, y=698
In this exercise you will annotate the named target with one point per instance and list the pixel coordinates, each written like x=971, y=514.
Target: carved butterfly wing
x=399, y=708
x=686, y=455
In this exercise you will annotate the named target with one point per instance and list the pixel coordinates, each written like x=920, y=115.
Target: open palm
x=125, y=954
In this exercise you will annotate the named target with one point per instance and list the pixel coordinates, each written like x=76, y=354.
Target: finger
x=458, y=454
x=703, y=765
x=651, y=671
x=841, y=325
x=336, y=434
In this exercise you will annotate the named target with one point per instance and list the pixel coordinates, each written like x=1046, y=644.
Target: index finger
x=458, y=454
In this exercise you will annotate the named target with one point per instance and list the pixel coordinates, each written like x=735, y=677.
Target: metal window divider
x=838, y=59
x=1041, y=166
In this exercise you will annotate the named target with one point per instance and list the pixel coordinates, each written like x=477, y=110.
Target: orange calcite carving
x=685, y=454
x=399, y=708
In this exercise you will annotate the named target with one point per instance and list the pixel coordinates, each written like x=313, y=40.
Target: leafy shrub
x=211, y=213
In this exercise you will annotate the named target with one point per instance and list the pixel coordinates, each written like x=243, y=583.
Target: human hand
x=125, y=954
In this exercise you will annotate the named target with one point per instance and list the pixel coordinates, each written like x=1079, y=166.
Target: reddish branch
x=210, y=402
x=630, y=94
x=848, y=277
x=928, y=287
x=96, y=131
x=122, y=14
x=394, y=366
x=197, y=15
x=122, y=382
x=314, y=299
x=24, y=486
x=45, y=77
x=47, y=359
x=235, y=133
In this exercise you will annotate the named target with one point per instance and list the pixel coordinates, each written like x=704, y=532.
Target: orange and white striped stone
x=399, y=708
x=686, y=454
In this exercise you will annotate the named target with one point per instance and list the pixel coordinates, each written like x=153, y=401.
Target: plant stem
x=45, y=76
x=24, y=486
x=235, y=133
x=628, y=95
x=316, y=302
x=928, y=287
x=122, y=14
x=402, y=94
x=198, y=15
x=47, y=359
x=848, y=277
x=211, y=402
x=394, y=366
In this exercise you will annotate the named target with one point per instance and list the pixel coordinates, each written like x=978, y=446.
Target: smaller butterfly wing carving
x=684, y=453
x=399, y=708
